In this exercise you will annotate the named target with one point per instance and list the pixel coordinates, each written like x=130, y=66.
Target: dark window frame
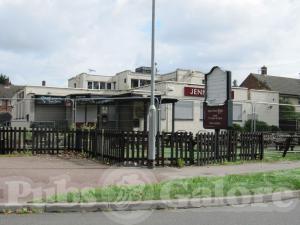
x=102, y=85
x=88, y=85
x=133, y=84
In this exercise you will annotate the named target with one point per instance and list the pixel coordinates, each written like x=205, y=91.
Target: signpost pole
x=152, y=108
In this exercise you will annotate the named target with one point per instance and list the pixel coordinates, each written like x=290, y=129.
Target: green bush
x=237, y=127
x=260, y=126
x=274, y=128
x=180, y=163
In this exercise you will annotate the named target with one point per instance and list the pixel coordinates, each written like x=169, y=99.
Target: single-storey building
x=122, y=101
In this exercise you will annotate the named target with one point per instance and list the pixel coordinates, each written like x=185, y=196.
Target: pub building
x=122, y=102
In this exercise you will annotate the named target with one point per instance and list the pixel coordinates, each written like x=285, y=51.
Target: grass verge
x=200, y=187
x=277, y=156
x=17, y=154
x=269, y=157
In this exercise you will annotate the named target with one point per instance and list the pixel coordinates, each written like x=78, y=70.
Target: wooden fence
x=131, y=148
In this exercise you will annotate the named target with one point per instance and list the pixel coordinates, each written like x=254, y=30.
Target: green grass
x=269, y=157
x=277, y=156
x=200, y=187
x=18, y=154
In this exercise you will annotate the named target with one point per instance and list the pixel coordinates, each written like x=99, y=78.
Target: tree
x=4, y=79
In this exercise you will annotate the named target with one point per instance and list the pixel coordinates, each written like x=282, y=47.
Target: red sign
x=215, y=117
x=196, y=92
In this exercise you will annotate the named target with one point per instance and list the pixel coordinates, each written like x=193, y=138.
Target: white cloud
x=55, y=39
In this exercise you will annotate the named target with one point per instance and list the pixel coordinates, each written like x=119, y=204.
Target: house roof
x=9, y=91
x=283, y=85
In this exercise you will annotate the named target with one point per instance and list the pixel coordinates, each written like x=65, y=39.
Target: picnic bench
x=286, y=142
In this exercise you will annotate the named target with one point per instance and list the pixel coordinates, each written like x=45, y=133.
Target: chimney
x=264, y=70
x=43, y=83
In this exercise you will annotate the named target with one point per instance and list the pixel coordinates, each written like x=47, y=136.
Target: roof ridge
x=257, y=74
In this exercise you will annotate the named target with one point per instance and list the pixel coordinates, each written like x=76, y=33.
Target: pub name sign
x=198, y=92
x=217, y=106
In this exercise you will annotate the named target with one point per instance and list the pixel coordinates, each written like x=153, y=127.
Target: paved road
x=268, y=214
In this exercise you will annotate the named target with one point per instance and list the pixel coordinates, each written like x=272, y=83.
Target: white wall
x=268, y=113
x=170, y=89
x=179, y=75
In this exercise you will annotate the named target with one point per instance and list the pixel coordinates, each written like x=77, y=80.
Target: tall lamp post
x=152, y=108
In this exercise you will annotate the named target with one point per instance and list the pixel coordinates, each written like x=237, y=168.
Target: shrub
x=180, y=163
x=237, y=127
x=260, y=126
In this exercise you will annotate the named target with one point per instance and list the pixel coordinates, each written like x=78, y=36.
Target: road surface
x=263, y=214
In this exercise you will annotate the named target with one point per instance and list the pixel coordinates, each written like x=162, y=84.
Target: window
x=201, y=110
x=203, y=81
x=96, y=85
x=163, y=111
x=20, y=96
x=102, y=85
x=237, y=112
x=134, y=83
x=145, y=82
x=104, y=110
x=115, y=86
x=109, y=86
x=74, y=85
x=184, y=110
x=90, y=85
x=125, y=80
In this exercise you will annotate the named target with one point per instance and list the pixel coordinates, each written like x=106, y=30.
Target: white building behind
x=187, y=112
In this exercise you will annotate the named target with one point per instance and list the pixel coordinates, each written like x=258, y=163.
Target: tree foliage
x=260, y=126
x=4, y=79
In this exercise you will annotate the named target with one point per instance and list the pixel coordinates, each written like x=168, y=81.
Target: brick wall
x=252, y=83
x=5, y=106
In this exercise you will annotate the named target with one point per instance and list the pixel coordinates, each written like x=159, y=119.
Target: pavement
x=287, y=212
x=23, y=179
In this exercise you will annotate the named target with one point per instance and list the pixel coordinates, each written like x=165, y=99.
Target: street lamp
x=152, y=108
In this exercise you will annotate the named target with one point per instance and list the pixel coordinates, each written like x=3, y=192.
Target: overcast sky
x=53, y=40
